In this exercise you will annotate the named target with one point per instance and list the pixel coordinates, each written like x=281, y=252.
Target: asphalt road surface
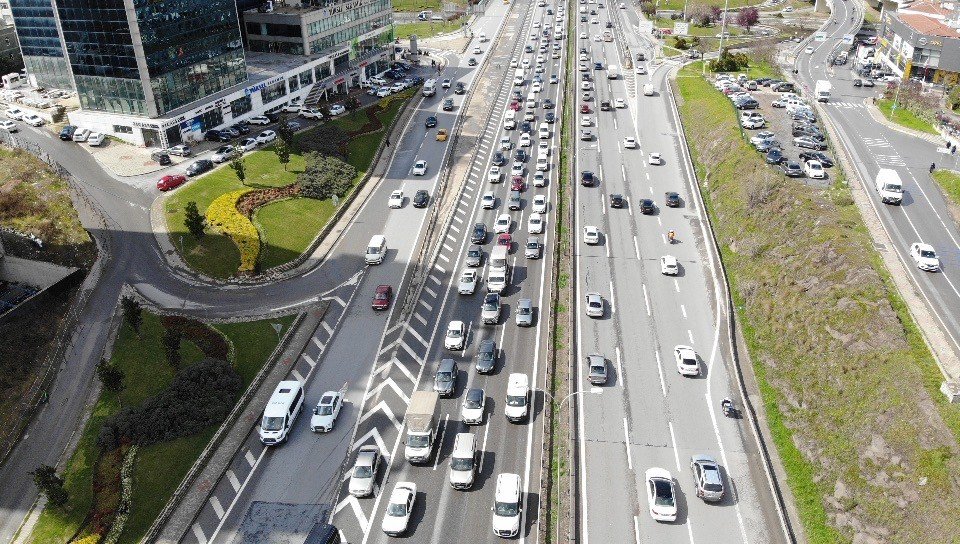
x=648, y=415
x=923, y=215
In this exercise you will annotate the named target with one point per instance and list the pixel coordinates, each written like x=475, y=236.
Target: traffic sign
x=848, y=39
x=820, y=36
x=681, y=29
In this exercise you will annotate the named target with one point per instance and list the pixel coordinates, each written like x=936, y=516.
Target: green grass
x=159, y=467
x=905, y=117
x=702, y=31
x=426, y=29
x=677, y=5
x=838, y=359
x=281, y=244
x=417, y=5
x=949, y=181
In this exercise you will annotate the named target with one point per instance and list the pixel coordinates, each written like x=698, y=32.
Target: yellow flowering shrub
x=223, y=217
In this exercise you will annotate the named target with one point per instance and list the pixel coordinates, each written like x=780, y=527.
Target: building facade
x=42, y=49
x=921, y=42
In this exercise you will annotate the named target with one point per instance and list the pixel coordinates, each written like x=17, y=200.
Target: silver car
x=598, y=369
x=594, y=305
x=706, y=478
x=474, y=256
x=364, y=473
x=490, y=310
x=533, y=248
x=524, y=315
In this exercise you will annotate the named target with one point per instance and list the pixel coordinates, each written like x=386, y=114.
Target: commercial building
x=164, y=72
x=920, y=40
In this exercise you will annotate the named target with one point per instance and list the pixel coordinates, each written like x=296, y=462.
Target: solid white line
x=690, y=528
x=676, y=454
x=619, y=367
x=436, y=461
x=690, y=335
x=636, y=528
x=663, y=384
x=613, y=300
x=626, y=442
x=646, y=299
x=253, y=470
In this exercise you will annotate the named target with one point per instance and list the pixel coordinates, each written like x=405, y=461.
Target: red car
x=515, y=105
x=382, y=296
x=505, y=240
x=516, y=184
x=584, y=108
x=171, y=182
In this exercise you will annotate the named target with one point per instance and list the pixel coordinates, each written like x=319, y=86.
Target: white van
x=544, y=131
x=463, y=461
x=648, y=90
x=376, y=249
x=281, y=411
x=507, y=505
x=497, y=278
x=518, y=76
x=518, y=397
x=531, y=103
x=613, y=72
x=429, y=87
x=498, y=257
x=889, y=186
x=510, y=120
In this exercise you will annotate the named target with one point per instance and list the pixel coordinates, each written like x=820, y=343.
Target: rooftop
x=927, y=7
x=928, y=26
x=293, y=7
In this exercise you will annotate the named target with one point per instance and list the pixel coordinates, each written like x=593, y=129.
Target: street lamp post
x=592, y=391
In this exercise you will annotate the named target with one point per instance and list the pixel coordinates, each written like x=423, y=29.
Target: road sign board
x=681, y=28
x=820, y=36
x=645, y=26
x=848, y=39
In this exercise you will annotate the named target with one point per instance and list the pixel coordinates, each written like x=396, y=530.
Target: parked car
x=98, y=138
x=791, y=169
x=33, y=120
x=181, y=150
x=66, y=133
x=199, y=167
x=224, y=154
x=266, y=137
x=259, y=120
x=171, y=181
x=160, y=157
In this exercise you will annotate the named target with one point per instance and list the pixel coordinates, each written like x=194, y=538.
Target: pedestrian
x=953, y=149
x=388, y=145
x=933, y=166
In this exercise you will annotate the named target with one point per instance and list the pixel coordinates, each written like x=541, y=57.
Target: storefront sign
x=343, y=7
x=262, y=85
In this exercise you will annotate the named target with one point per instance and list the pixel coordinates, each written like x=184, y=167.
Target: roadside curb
x=879, y=117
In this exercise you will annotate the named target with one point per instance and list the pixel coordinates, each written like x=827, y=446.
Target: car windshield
x=928, y=254
x=324, y=410
x=516, y=400
x=453, y=333
x=506, y=509
x=418, y=440
x=363, y=471
x=473, y=253
x=597, y=369
x=272, y=423
x=472, y=403
x=663, y=492
x=461, y=463
x=523, y=310
x=397, y=509
x=490, y=306
x=444, y=376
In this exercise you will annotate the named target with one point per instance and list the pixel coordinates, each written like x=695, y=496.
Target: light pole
x=592, y=391
x=723, y=26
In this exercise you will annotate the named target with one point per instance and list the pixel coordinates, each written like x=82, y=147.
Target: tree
x=132, y=313
x=283, y=153
x=648, y=8
x=716, y=14
x=194, y=222
x=46, y=479
x=352, y=103
x=953, y=97
x=109, y=375
x=285, y=134
x=325, y=176
x=699, y=15
x=695, y=42
x=680, y=43
x=171, y=346
x=239, y=168
x=748, y=17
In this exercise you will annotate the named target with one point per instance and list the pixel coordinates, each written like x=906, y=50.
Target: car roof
x=488, y=345
x=474, y=393
x=446, y=365
x=524, y=303
x=383, y=288
x=686, y=351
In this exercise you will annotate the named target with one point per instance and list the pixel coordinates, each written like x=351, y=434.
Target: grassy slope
x=904, y=117
x=426, y=29
x=949, y=181
x=848, y=386
x=160, y=467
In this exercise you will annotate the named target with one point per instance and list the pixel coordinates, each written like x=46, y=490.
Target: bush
x=729, y=62
x=681, y=44
x=223, y=216
x=328, y=139
x=201, y=395
x=109, y=375
x=324, y=177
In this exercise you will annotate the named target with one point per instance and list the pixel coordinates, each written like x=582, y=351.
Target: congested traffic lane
x=649, y=415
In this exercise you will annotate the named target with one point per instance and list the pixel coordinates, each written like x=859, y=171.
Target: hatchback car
x=326, y=411
x=774, y=156
x=791, y=169
x=224, y=154
x=706, y=478
x=686, y=358
x=382, y=297
x=402, y=500
x=533, y=248
x=597, y=367
x=617, y=201
x=524, y=313
x=473, y=407
x=419, y=168
x=490, y=309
x=364, y=472
x=661, y=494
x=647, y=206
x=486, y=358
x=430, y=122
x=594, y=305
x=587, y=178
x=814, y=170
x=502, y=223
x=474, y=256
x=535, y=223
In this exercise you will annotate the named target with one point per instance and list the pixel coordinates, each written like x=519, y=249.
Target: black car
x=273, y=116
x=791, y=169
x=672, y=199
x=460, y=88
x=609, y=24
x=647, y=207
x=430, y=122
x=66, y=133
x=517, y=94
x=499, y=159
x=417, y=80
x=641, y=57
x=216, y=136
x=472, y=62
x=161, y=157
x=550, y=117
x=826, y=161
x=526, y=126
x=857, y=83
x=549, y=11
x=604, y=105
x=199, y=167
x=486, y=360
x=479, y=234
x=774, y=156
x=547, y=104
x=598, y=66
x=748, y=104
x=617, y=201
x=521, y=155
x=421, y=198
x=448, y=104
x=763, y=81
x=586, y=178
x=242, y=127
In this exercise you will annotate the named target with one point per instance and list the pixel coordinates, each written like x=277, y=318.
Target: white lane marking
x=648, y=175
x=433, y=293
x=663, y=384
x=626, y=442
x=613, y=300
x=683, y=310
x=198, y=532
x=436, y=461
x=606, y=245
x=445, y=258
x=636, y=528
x=420, y=318
x=636, y=248
x=217, y=507
x=690, y=528
x=435, y=280
x=483, y=451
x=251, y=460
x=676, y=285
x=673, y=438
x=619, y=367
x=690, y=336
x=646, y=299
x=437, y=265
x=253, y=470
x=414, y=332
x=234, y=482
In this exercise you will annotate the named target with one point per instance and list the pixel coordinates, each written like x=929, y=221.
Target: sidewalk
x=880, y=118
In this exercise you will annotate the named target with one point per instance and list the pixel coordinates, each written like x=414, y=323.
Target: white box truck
x=822, y=90
x=430, y=87
x=889, y=186
x=613, y=72
x=422, y=420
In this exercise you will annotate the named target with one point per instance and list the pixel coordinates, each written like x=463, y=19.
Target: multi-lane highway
x=649, y=415
x=923, y=215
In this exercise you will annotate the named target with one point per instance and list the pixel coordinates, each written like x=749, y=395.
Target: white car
x=535, y=223
x=544, y=147
x=536, y=87
x=669, y=265
x=33, y=120
x=419, y=168
x=629, y=142
x=597, y=38
x=525, y=140
x=543, y=163
x=655, y=159
x=594, y=305
x=473, y=406
x=808, y=50
x=687, y=364
x=505, y=143
x=402, y=500
x=502, y=224
x=488, y=201
x=583, y=35
x=9, y=126
x=313, y=113
x=925, y=257
x=516, y=169
x=467, y=283
x=383, y=92
x=641, y=69
x=814, y=170
x=540, y=204
x=661, y=494
x=337, y=109
x=540, y=179
x=259, y=120
x=14, y=113
x=224, y=154
x=762, y=137
x=326, y=411
x=248, y=144
x=292, y=107
x=456, y=336
x=495, y=175
x=594, y=21
x=396, y=199
x=619, y=103
x=477, y=50
x=364, y=472
x=591, y=235
x=266, y=137
x=586, y=121
x=446, y=83
x=96, y=138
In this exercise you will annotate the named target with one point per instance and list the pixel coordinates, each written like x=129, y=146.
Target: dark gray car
x=486, y=356
x=474, y=256
x=445, y=380
x=513, y=201
x=598, y=369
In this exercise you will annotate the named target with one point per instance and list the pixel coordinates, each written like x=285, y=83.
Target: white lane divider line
x=663, y=384
x=676, y=454
x=676, y=285
x=690, y=529
x=619, y=368
x=646, y=299
x=690, y=336
x=636, y=248
x=683, y=310
x=636, y=528
x=626, y=442
x=436, y=461
x=613, y=300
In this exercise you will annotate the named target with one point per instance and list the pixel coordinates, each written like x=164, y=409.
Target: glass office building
x=39, y=37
